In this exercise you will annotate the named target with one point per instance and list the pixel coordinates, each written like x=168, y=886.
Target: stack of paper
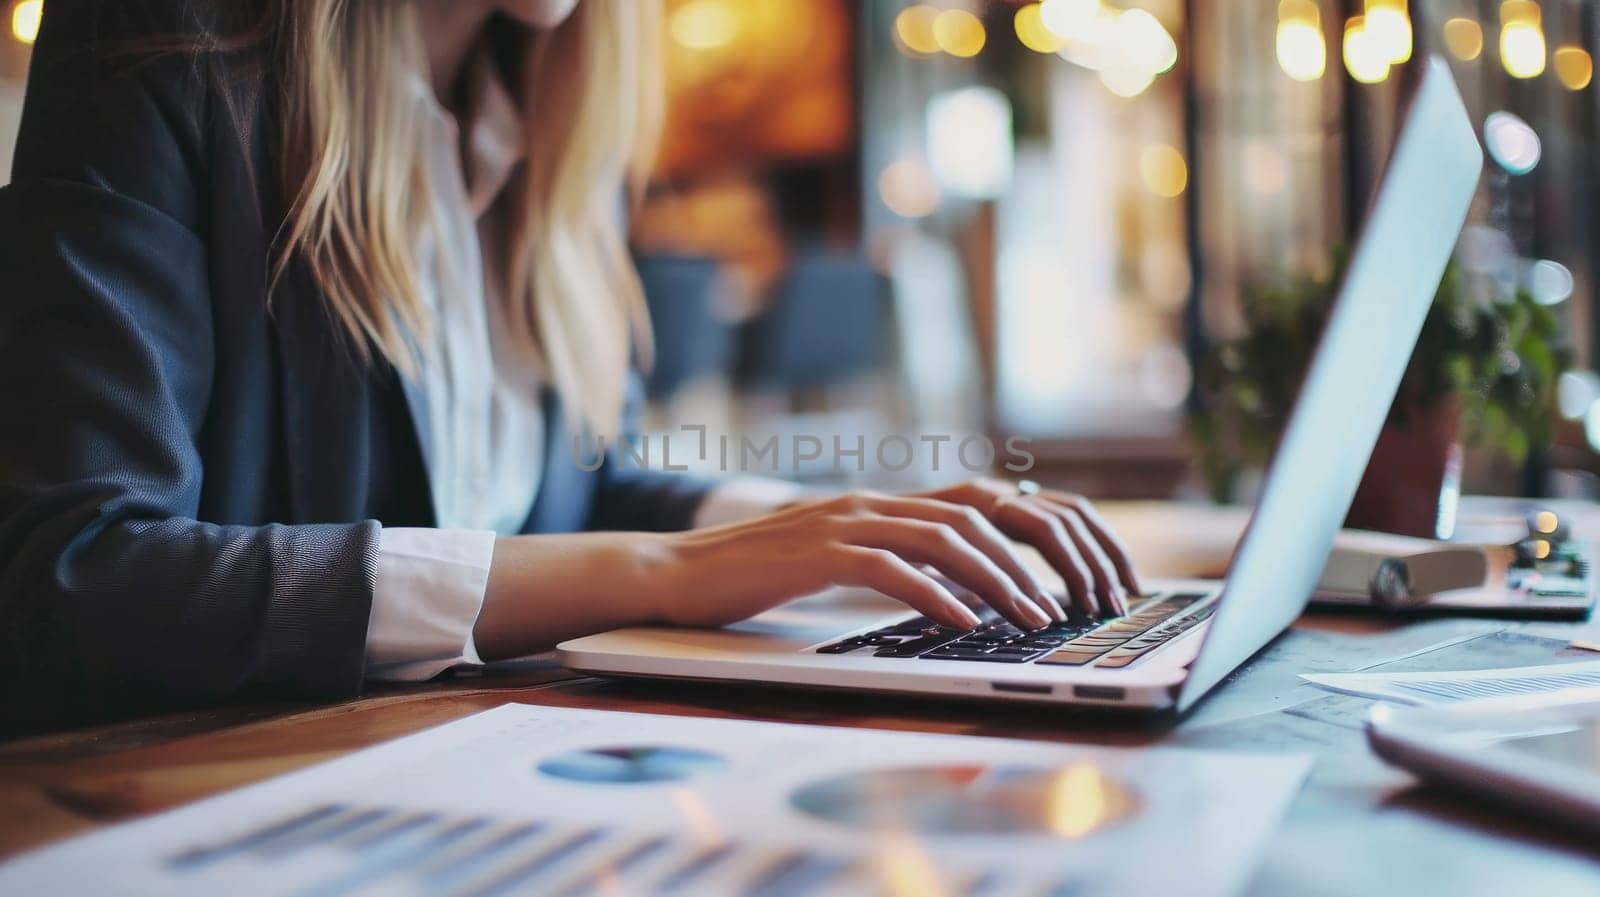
x=1453, y=687
x=565, y=802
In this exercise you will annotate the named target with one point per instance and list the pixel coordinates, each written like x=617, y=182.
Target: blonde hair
x=354, y=183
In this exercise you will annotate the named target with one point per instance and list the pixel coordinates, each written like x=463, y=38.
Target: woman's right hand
x=716, y=576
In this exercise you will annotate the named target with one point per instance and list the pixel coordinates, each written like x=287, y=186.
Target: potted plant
x=1483, y=373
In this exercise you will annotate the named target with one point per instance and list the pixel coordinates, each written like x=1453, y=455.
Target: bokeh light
x=1144, y=42
x=1550, y=283
x=1574, y=67
x=1364, y=58
x=1125, y=79
x=1301, y=45
x=1389, y=28
x=1163, y=170
x=1464, y=38
x=1522, y=48
x=1576, y=391
x=970, y=143
x=1069, y=19
x=1094, y=45
x=1032, y=32
x=25, y=20
x=704, y=24
x=1511, y=142
x=907, y=187
x=959, y=33
x=914, y=28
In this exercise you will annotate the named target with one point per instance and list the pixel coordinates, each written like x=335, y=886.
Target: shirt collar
x=494, y=140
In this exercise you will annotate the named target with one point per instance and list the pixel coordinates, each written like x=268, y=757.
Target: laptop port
x=1021, y=688
x=1100, y=692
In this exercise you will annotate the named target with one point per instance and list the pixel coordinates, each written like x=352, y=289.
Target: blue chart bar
x=617, y=865
x=798, y=873
x=453, y=870
x=395, y=855
x=331, y=850
x=195, y=857
x=696, y=868
x=346, y=823
x=543, y=861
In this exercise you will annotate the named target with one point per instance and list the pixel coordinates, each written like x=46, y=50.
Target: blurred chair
x=692, y=341
x=826, y=323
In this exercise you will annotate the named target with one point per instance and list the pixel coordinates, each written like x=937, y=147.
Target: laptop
x=1181, y=639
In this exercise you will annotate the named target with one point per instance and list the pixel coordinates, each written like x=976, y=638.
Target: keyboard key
x=960, y=649
x=921, y=645
x=1121, y=658
x=1068, y=658
x=1092, y=642
x=840, y=648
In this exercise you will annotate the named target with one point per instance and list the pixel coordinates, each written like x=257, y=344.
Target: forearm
x=544, y=589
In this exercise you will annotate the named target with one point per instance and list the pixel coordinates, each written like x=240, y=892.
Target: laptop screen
x=1399, y=258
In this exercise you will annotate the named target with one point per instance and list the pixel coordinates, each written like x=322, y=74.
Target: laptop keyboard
x=1150, y=623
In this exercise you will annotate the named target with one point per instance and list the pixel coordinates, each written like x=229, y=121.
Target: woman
x=305, y=300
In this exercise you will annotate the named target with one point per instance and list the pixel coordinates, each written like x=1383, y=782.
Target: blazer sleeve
x=114, y=598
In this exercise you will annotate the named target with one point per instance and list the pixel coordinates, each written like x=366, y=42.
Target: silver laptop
x=1175, y=644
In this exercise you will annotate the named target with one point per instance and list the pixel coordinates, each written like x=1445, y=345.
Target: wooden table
x=1357, y=828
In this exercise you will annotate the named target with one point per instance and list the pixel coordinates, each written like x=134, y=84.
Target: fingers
x=886, y=572
x=943, y=547
x=1046, y=532
x=1104, y=536
x=980, y=533
x=1108, y=589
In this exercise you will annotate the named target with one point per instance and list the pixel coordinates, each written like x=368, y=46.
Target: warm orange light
x=1464, y=37
x=1076, y=801
x=1163, y=170
x=959, y=33
x=1302, y=49
x=1364, y=58
x=914, y=27
x=25, y=20
x=1033, y=33
x=1389, y=27
x=1574, y=67
x=704, y=24
x=1522, y=46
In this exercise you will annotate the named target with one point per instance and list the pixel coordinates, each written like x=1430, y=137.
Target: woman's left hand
x=1066, y=530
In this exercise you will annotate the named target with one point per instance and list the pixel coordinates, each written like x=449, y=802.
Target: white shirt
x=483, y=436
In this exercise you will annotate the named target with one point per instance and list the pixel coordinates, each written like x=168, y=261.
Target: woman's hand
x=546, y=588
x=1067, y=530
x=728, y=573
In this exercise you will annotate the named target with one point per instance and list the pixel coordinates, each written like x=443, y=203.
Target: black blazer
x=194, y=472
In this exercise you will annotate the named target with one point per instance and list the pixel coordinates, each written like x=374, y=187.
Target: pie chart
x=1071, y=802
x=631, y=765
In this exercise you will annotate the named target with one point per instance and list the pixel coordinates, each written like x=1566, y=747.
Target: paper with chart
x=555, y=801
x=1432, y=688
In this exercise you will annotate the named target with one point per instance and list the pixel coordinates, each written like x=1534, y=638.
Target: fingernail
x=969, y=619
x=1036, y=616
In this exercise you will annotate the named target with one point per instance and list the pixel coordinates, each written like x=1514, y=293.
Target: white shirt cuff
x=744, y=498
x=430, y=587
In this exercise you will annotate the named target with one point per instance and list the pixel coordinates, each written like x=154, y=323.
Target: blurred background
x=1105, y=227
